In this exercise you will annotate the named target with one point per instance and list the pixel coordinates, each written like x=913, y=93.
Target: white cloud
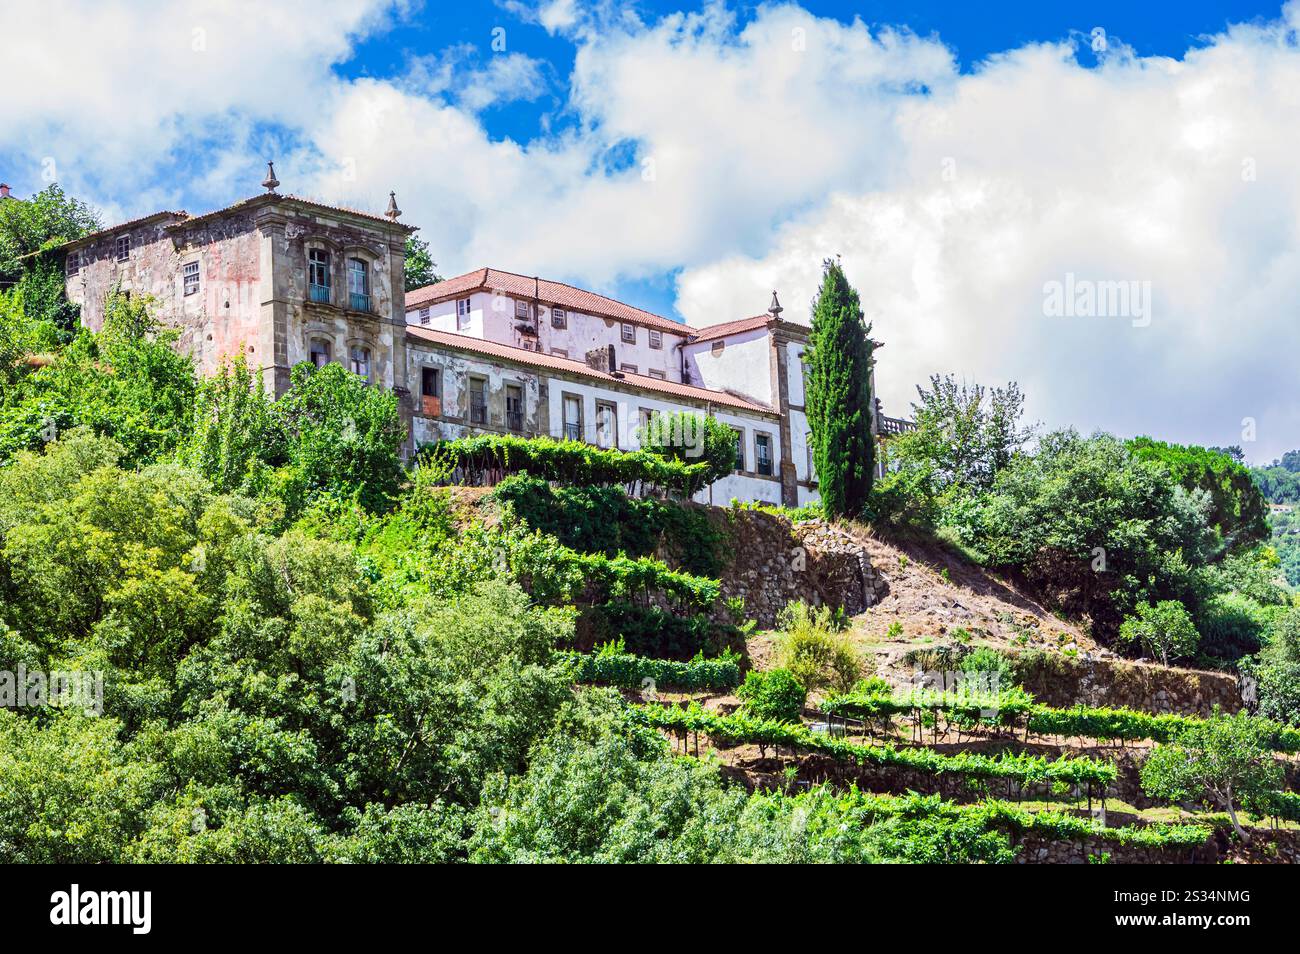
x=1139, y=169
x=742, y=156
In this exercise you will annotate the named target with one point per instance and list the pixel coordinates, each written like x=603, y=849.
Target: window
x=462, y=314
x=558, y=318
x=478, y=401
x=424, y=316
x=572, y=418
x=628, y=368
x=559, y=352
x=514, y=407
x=73, y=263
x=190, y=277
x=318, y=275
x=656, y=339
x=718, y=347
x=740, y=450
x=629, y=333
x=657, y=374
x=522, y=310
x=430, y=392
x=320, y=352
x=807, y=440
x=763, y=454
x=359, y=361
x=123, y=247
x=358, y=285
x=606, y=425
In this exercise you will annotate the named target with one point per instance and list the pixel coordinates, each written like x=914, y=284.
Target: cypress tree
x=838, y=396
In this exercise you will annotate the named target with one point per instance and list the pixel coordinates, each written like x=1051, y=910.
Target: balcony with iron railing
x=573, y=432
x=319, y=293
x=515, y=420
x=477, y=410
x=358, y=301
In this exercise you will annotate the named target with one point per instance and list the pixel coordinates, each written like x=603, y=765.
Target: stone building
x=281, y=280
x=277, y=278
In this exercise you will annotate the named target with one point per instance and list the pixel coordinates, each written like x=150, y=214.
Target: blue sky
x=688, y=158
x=974, y=31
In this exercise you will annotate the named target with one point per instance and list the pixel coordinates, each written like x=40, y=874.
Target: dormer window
x=318, y=274
x=123, y=247
x=358, y=284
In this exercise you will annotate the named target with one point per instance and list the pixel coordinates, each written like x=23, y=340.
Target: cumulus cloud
x=1037, y=167
x=738, y=153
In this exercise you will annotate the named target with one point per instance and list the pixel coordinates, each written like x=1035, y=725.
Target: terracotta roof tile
x=570, y=366
x=549, y=292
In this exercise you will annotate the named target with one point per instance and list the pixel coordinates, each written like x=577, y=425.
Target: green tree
x=1224, y=758
x=773, y=694
x=1165, y=630
x=47, y=219
x=692, y=439
x=838, y=396
x=343, y=436
x=235, y=428
x=966, y=433
x=420, y=266
x=127, y=382
x=1238, y=508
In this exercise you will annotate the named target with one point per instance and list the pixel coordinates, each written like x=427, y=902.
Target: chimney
x=4, y=191
x=602, y=359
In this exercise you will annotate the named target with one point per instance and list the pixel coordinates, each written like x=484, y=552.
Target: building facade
x=280, y=280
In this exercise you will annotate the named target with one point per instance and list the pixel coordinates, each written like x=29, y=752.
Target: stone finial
x=392, y=212
x=775, y=309
x=270, y=182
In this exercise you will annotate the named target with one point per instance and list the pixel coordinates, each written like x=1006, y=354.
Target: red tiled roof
x=570, y=366
x=556, y=293
x=740, y=325
x=183, y=218
x=124, y=226
x=731, y=328
x=268, y=198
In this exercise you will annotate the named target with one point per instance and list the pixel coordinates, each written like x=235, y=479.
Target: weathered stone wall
x=1058, y=680
x=772, y=562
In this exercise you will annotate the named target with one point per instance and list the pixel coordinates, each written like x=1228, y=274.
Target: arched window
x=320, y=352
x=318, y=274
x=358, y=284
x=359, y=361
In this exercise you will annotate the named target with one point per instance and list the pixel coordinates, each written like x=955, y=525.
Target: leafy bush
x=775, y=694
x=611, y=665
x=991, y=664
x=606, y=520
x=478, y=460
x=814, y=647
x=1225, y=758
x=691, y=439
x=1165, y=630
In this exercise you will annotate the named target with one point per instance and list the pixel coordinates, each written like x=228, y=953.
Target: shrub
x=814, y=647
x=1165, y=630
x=984, y=660
x=774, y=694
